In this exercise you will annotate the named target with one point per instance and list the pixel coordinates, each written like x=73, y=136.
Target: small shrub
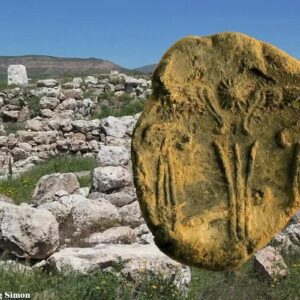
x=107, y=95
x=33, y=103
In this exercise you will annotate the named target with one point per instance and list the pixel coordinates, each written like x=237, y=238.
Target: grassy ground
x=206, y=285
x=245, y=284
x=21, y=189
x=99, y=286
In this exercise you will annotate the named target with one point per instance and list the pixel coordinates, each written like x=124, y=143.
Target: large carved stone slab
x=216, y=152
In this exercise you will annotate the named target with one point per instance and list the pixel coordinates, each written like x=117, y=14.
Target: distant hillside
x=39, y=66
x=146, y=69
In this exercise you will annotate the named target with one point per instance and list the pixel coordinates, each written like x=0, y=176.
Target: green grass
x=13, y=127
x=125, y=109
x=245, y=284
x=3, y=85
x=107, y=95
x=21, y=189
x=205, y=285
x=85, y=181
x=71, y=286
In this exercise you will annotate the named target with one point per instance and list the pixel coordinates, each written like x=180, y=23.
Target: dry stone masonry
x=68, y=227
x=63, y=123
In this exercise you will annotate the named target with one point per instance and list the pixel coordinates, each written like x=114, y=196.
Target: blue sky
x=133, y=33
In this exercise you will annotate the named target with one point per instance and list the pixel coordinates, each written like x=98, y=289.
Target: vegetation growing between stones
x=34, y=106
x=21, y=189
x=85, y=181
x=71, y=286
x=127, y=106
x=13, y=127
x=208, y=285
x=245, y=284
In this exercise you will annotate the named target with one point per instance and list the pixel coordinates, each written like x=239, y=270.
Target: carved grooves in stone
x=165, y=191
x=239, y=189
x=259, y=100
x=213, y=110
x=249, y=175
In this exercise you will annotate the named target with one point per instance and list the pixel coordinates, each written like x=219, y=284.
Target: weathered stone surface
x=143, y=235
x=17, y=75
x=84, y=126
x=77, y=215
x=114, y=235
x=112, y=156
x=90, y=80
x=110, y=178
x=118, y=199
x=48, y=83
x=131, y=214
x=216, y=155
x=48, y=185
x=27, y=232
x=270, y=263
x=143, y=257
x=49, y=102
x=113, y=126
x=287, y=242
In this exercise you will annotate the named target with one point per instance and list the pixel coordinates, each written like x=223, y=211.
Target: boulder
x=49, y=102
x=79, y=216
x=10, y=115
x=17, y=75
x=129, y=123
x=46, y=137
x=131, y=82
x=143, y=235
x=77, y=81
x=69, y=104
x=131, y=215
x=19, y=154
x=287, y=242
x=34, y=125
x=90, y=80
x=269, y=263
x=113, y=126
x=114, y=235
x=110, y=178
x=48, y=83
x=112, y=156
x=84, y=126
x=138, y=259
x=48, y=185
x=76, y=94
x=27, y=232
x=118, y=199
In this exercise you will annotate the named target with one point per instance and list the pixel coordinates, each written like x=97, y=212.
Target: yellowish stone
x=216, y=153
